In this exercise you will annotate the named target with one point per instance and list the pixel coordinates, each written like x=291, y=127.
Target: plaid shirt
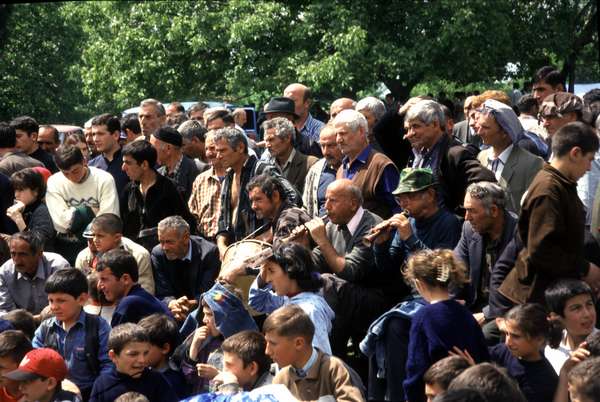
x=205, y=202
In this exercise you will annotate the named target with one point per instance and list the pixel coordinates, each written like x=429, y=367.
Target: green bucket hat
x=414, y=179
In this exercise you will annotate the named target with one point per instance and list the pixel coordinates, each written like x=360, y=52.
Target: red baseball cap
x=43, y=362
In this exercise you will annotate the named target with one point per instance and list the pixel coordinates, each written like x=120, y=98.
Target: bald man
x=306, y=125
x=340, y=104
x=354, y=287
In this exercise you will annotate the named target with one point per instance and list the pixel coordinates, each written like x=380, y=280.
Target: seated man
x=279, y=139
x=117, y=279
x=74, y=196
x=184, y=266
x=307, y=372
x=427, y=225
x=148, y=197
x=107, y=232
x=489, y=227
x=22, y=277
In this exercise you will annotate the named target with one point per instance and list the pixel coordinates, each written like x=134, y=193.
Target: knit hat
x=169, y=135
x=506, y=119
x=43, y=362
x=414, y=179
x=560, y=103
x=231, y=316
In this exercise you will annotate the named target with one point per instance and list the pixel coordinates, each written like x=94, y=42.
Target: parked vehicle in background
x=66, y=129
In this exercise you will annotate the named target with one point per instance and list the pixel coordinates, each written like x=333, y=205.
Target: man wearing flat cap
x=427, y=226
x=514, y=168
x=173, y=163
x=559, y=109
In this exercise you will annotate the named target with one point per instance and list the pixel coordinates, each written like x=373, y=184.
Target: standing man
x=552, y=221
x=371, y=171
x=293, y=164
x=547, y=81
x=306, y=125
x=340, y=104
x=26, y=129
x=322, y=173
x=48, y=139
x=173, y=163
x=193, y=135
x=130, y=126
x=152, y=116
x=13, y=159
x=148, y=197
x=106, y=129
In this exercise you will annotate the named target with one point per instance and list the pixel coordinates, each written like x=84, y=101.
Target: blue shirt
x=136, y=305
x=264, y=300
x=387, y=183
x=327, y=177
x=71, y=346
x=113, y=167
x=312, y=128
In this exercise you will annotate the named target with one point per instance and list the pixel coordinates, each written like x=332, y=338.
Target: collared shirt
x=327, y=177
x=113, y=167
x=496, y=165
x=205, y=202
x=183, y=175
x=312, y=128
x=188, y=255
x=428, y=158
x=286, y=166
x=353, y=224
x=302, y=372
x=71, y=346
x=20, y=291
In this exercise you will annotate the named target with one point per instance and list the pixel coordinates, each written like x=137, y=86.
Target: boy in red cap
x=40, y=375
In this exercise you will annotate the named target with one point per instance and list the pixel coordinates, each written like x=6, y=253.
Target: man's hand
x=181, y=307
x=316, y=228
x=207, y=371
x=480, y=318
x=402, y=225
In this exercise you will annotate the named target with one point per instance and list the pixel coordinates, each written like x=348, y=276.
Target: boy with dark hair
x=40, y=374
x=308, y=373
x=80, y=338
x=493, y=383
x=163, y=335
x=245, y=363
x=439, y=376
x=129, y=346
x=552, y=222
x=21, y=320
x=14, y=345
x=117, y=279
x=584, y=381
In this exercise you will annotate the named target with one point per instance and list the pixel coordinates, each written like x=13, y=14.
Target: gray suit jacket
x=296, y=174
x=519, y=170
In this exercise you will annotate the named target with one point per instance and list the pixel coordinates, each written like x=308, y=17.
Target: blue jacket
x=470, y=250
x=151, y=384
x=136, y=305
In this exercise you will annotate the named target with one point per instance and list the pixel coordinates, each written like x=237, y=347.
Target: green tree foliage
x=39, y=51
x=246, y=51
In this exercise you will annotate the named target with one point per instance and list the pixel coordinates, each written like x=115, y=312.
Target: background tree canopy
x=63, y=62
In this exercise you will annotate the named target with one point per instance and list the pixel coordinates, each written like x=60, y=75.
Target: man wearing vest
x=80, y=338
x=371, y=171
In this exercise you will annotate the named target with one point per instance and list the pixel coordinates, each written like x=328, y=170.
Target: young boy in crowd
x=14, y=345
x=584, y=381
x=163, y=335
x=40, y=375
x=80, y=338
x=308, y=373
x=439, y=376
x=223, y=315
x=129, y=346
x=21, y=320
x=245, y=363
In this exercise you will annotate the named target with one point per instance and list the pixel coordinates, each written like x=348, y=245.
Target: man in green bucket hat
x=422, y=225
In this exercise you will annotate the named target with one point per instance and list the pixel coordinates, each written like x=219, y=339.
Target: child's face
x=105, y=241
x=65, y=307
x=6, y=366
x=156, y=355
x=580, y=315
x=280, y=281
x=520, y=345
x=281, y=349
x=209, y=321
x=36, y=390
x=132, y=360
x=245, y=375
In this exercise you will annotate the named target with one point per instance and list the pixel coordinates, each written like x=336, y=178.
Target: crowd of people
x=395, y=252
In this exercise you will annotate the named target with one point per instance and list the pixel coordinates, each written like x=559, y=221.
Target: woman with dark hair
x=29, y=211
x=290, y=277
